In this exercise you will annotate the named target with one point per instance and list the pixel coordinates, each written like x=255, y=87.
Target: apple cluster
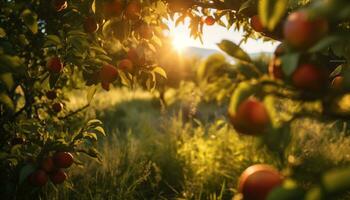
x=51, y=168
x=299, y=32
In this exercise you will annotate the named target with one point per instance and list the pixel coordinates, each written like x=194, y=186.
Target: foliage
x=48, y=48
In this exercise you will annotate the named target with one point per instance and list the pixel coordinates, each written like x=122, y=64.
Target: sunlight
x=212, y=36
x=179, y=43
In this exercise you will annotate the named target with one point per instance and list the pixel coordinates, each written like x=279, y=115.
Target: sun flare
x=179, y=43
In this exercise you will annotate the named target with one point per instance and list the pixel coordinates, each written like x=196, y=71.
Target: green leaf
x=2, y=33
x=336, y=181
x=25, y=172
x=53, y=80
x=91, y=93
x=247, y=4
x=99, y=130
x=325, y=43
x=124, y=79
x=11, y=62
x=7, y=101
x=90, y=135
x=30, y=20
x=242, y=92
x=290, y=62
x=94, y=123
x=160, y=71
x=7, y=79
x=271, y=12
x=93, y=6
x=284, y=193
x=52, y=40
x=92, y=152
x=234, y=50
x=314, y=194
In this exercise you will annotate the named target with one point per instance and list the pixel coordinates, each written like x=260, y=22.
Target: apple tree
x=48, y=48
x=309, y=69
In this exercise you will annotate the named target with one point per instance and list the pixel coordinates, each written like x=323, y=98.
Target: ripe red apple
x=90, y=25
x=126, y=65
x=337, y=83
x=251, y=117
x=257, y=181
x=145, y=31
x=113, y=8
x=38, y=178
x=209, y=20
x=51, y=94
x=59, y=5
x=108, y=73
x=310, y=77
x=58, y=177
x=280, y=50
x=135, y=58
x=301, y=32
x=105, y=85
x=54, y=65
x=62, y=159
x=47, y=164
x=133, y=10
x=57, y=107
x=256, y=24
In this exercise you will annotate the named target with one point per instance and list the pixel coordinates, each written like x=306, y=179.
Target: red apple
x=54, y=65
x=135, y=58
x=38, y=178
x=59, y=5
x=58, y=177
x=47, y=164
x=133, y=10
x=145, y=31
x=257, y=181
x=209, y=20
x=337, y=83
x=57, y=107
x=301, y=32
x=126, y=65
x=280, y=50
x=310, y=77
x=105, y=85
x=256, y=24
x=251, y=117
x=108, y=73
x=63, y=159
x=51, y=94
x=90, y=25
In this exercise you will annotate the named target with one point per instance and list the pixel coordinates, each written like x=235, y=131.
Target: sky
x=213, y=35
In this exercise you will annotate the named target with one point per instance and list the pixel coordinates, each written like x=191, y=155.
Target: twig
x=75, y=112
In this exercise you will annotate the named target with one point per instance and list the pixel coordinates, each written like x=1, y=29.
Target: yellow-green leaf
x=160, y=71
x=234, y=50
x=2, y=33
x=271, y=12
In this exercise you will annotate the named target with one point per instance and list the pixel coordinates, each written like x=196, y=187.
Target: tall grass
x=150, y=154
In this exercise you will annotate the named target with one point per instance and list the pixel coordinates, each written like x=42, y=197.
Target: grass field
x=152, y=152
